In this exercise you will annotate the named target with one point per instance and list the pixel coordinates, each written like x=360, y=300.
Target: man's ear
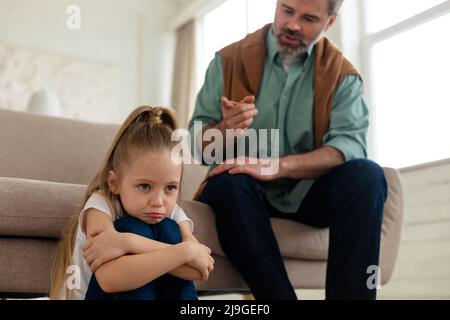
x=113, y=182
x=331, y=21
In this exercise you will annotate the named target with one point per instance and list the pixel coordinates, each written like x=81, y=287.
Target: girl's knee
x=169, y=231
x=134, y=225
x=147, y=292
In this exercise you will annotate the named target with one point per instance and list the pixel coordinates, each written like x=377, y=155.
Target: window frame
x=369, y=40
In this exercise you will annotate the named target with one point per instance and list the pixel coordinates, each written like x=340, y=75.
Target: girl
x=130, y=231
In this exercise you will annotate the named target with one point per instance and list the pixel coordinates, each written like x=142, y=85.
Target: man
x=289, y=77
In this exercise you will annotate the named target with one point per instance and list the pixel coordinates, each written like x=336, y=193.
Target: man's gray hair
x=334, y=6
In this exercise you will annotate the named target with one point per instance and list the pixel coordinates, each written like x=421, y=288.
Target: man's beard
x=287, y=50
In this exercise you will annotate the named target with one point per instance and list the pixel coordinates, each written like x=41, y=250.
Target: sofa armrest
x=392, y=224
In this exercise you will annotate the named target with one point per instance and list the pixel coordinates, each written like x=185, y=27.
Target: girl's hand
x=200, y=258
x=103, y=247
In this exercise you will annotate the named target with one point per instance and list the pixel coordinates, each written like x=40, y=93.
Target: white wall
x=133, y=35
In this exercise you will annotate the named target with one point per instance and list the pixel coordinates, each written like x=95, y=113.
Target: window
x=228, y=23
x=385, y=13
x=260, y=12
x=408, y=80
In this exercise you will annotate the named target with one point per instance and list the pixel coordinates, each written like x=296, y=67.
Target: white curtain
x=183, y=87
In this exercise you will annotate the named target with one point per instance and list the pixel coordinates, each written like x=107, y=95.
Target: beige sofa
x=46, y=162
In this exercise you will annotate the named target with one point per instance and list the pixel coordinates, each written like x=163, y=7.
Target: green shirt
x=285, y=101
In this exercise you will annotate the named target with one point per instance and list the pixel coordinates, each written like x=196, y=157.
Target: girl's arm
x=140, y=244
x=133, y=271
x=105, y=243
x=186, y=233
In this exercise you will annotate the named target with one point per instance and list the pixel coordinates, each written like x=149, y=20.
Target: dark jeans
x=348, y=200
x=166, y=287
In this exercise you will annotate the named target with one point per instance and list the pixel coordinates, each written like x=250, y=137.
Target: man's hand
x=104, y=247
x=238, y=115
x=260, y=169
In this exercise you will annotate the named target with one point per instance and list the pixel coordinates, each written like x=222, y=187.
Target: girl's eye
x=144, y=187
x=171, y=188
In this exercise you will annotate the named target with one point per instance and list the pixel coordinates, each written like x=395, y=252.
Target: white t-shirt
x=97, y=201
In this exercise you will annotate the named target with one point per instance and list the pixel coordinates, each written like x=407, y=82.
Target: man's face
x=300, y=24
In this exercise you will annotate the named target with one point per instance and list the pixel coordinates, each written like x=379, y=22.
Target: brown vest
x=243, y=68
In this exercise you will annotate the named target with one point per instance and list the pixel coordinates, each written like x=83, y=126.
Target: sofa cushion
x=296, y=240
x=31, y=208
x=299, y=241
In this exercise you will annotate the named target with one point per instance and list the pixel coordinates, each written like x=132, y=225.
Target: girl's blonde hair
x=145, y=129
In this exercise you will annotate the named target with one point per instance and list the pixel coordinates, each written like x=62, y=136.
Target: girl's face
x=148, y=186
